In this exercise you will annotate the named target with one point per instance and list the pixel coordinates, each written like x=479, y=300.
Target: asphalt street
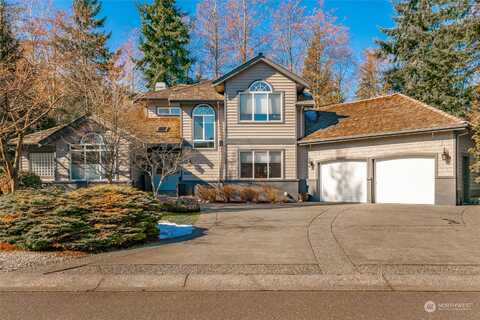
x=239, y=305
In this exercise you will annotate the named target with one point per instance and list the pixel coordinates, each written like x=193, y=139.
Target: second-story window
x=168, y=111
x=203, y=126
x=260, y=103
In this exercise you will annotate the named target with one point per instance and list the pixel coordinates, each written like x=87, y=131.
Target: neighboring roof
x=387, y=115
x=138, y=126
x=39, y=136
x=261, y=58
x=202, y=90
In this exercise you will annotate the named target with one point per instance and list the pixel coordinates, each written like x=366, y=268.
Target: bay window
x=203, y=126
x=260, y=164
x=260, y=103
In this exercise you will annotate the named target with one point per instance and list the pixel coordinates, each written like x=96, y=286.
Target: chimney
x=160, y=86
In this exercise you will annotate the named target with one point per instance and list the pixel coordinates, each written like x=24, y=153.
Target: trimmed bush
x=249, y=194
x=91, y=219
x=206, y=193
x=270, y=194
x=227, y=192
x=181, y=205
x=29, y=180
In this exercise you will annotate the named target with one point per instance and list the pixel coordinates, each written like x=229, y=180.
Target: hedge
x=91, y=219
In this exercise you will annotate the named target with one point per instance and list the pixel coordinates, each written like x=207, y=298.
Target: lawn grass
x=181, y=218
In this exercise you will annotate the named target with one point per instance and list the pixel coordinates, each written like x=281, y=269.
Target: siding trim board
x=382, y=135
x=270, y=141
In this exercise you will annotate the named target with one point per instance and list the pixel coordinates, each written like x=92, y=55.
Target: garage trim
x=407, y=155
x=367, y=160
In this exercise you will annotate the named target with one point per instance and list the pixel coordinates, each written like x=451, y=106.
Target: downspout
x=224, y=145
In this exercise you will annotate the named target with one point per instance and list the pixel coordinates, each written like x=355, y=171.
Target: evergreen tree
x=370, y=79
x=85, y=37
x=164, y=40
x=81, y=49
x=9, y=45
x=433, y=49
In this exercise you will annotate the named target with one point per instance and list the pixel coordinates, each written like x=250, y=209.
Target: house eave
x=382, y=135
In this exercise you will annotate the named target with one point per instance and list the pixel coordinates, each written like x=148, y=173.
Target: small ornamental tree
x=162, y=161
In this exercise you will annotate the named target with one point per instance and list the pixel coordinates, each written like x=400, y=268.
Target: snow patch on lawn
x=169, y=230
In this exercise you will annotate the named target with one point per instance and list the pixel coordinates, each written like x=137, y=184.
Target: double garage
x=409, y=169
x=396, y=180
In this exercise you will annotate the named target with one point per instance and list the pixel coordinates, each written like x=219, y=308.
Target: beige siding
x=385, y=147
x=287, y=129
x=205, y=163
x=280, y=83
x=289, y=159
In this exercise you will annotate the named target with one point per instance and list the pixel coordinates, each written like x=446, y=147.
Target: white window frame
x=269, y=107
x=170, y=111
x=214, y=140
x=252, y=151
x=82, y=147
x=48, y=158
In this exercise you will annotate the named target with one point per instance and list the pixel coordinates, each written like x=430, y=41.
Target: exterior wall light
x=445, y=155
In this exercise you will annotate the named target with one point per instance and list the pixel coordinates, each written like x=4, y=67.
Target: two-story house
x=257, y=125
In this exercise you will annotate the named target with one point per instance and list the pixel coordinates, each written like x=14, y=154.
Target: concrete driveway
x=328, y=239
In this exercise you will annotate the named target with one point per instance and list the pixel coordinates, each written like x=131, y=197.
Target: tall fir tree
x=81, y=47
x=85, y=35
x=370, y=82
x=434, y=53
x=164, y=40
x=10, y=50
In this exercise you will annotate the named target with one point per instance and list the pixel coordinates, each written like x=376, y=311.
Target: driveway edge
x=225, y=282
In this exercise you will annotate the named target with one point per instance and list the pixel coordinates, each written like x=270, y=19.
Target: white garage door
x=343, y=181
x=409, y=180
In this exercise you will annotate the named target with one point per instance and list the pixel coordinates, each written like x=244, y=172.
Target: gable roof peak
x=261, y=58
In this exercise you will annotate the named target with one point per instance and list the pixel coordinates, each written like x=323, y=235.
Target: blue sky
x=362, y=17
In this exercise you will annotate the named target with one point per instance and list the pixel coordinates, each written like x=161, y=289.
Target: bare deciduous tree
x=209, y=32
x=243, y=28
x=162, y=161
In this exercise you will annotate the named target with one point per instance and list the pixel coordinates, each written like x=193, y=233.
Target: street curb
x=232, y=282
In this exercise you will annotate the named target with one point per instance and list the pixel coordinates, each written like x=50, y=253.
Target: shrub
x=249, y=194
x=271, y=194
x=181, y=205
x=227, y=192
x=207, y=193
x=29, y=180
x=89, y=219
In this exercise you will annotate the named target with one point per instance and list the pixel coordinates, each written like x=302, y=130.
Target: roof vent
x=160, y=86
x=163, y=129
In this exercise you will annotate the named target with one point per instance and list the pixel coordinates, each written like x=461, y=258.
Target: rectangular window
x=261, y=107
x=86, y=162
x=246, y=111
x=168, y=111
x=260, y=164
x=43, y=164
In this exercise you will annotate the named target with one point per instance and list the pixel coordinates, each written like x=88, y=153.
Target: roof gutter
x=382, y=135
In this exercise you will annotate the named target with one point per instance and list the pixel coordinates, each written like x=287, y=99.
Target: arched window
x=260, y=86
x=260, y=103
x=92, y=138
x=203, y=126
x=87, y=158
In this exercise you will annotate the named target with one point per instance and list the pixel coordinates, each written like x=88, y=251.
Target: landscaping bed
x=94, y=219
